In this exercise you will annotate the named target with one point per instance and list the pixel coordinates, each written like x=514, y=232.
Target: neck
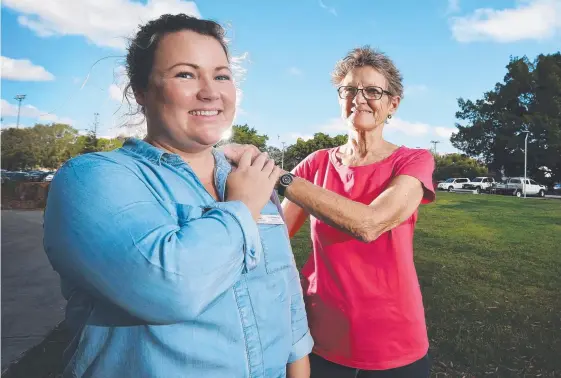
x=364, y=143
x=197, y=158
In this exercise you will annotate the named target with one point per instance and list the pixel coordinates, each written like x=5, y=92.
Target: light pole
x=19, y=98
x=435, y=142
x=282, y=159
x=525, y=160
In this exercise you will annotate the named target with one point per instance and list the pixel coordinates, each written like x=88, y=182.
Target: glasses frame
x=382, y=90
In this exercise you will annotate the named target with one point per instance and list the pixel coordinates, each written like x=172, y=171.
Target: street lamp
x=19, y=98
x=525, y=160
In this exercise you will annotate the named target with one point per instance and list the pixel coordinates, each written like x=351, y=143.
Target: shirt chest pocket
x=275, y=241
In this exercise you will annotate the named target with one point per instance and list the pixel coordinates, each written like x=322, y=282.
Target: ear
x=394, y=104
x=139, y=97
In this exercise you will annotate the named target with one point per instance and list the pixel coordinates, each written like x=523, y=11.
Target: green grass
x=490, y=272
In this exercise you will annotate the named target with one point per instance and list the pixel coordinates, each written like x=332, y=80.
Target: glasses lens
x=347, y=92
x=373, y=93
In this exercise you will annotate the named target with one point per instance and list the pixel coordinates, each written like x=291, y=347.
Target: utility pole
x=435, y=142
x=525, y=159
x=282, y=159
x=96, y=123
x=19, y=98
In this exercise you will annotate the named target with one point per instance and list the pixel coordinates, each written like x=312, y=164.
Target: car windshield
x=449, y=180
x=477, y=179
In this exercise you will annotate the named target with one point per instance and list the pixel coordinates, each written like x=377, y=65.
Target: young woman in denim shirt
x=174, y=265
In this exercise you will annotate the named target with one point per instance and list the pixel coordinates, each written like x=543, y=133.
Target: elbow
x=372, y=230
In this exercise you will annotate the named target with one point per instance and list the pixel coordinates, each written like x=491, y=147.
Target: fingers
x=260, y=161
x=275, y=174
x=245, y=160
x=269, y=166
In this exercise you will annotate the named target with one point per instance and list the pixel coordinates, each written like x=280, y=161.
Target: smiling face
x=361, y=113
x=190, y=99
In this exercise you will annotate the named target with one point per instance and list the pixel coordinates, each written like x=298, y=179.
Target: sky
x=67, y=57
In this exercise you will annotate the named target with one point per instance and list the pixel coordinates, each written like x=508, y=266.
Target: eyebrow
x=198, y=67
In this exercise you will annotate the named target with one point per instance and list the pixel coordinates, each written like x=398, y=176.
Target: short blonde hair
x=366, y=56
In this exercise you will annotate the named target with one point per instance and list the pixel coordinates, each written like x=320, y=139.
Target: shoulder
x=96, y=166
x=417, y=156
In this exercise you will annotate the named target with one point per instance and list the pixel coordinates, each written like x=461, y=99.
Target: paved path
x=31, y=301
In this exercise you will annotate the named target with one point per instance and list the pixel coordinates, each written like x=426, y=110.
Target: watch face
x=286, y=179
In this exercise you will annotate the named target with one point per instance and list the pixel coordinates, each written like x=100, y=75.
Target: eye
x=185, y=75
x=373, y=91
x=223, y=77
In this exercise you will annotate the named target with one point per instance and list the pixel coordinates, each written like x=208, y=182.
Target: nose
x=208, y=90
x=359, y=98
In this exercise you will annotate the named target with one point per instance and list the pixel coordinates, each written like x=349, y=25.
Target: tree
x=295, y=153
x=18, y=149
x=528, y=100
x=243, y=134
x=457, y=165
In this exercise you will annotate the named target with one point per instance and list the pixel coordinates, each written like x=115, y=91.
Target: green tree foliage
x=529, y=99
x=457, y=165
x=47, y=146
x=243, y=134
x=295, y=153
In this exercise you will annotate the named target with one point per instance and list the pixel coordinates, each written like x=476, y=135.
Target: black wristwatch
x=284, y=181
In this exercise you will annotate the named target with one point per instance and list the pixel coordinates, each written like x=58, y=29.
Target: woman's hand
x=234, y=151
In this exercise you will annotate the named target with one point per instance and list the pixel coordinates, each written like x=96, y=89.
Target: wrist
x=283, y=182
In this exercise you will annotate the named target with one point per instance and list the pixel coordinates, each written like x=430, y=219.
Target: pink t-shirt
x=363, y=300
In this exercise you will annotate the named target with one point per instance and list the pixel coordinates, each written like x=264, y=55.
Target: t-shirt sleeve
x=419, y=164
x=306, y=168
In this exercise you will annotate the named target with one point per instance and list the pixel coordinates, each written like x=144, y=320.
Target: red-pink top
x=363, y=300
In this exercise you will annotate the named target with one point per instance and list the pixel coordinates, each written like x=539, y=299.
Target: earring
x=389, y=116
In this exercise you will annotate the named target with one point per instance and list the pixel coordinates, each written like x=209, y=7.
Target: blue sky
x=445, y=49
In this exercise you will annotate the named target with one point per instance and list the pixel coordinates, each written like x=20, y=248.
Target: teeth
x=204, y=112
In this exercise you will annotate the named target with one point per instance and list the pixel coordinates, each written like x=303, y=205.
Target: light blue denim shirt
x=164, y=281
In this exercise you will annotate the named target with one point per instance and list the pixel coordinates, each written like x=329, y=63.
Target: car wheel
x=518, y=193
x=450, y=188
x=541, y=193
x=478, y=190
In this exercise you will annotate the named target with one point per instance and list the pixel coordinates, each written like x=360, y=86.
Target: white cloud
x=295, y=71
x=530, y=20
x=328, y=8
x=23, y=70
x=408, y=128
x=115, y=93
x=30, y=111
x=415, y=89
x=296, y=136
x=333, y=126
x=104, y=23
x=445, y=132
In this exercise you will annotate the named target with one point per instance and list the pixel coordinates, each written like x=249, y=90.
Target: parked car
x=515, y=186
x=453, y=183
x=480, y=184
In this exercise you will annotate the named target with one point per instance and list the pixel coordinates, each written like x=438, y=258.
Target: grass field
x=490, y=272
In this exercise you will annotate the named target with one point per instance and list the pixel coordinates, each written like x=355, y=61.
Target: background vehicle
x=515, y=187
x=480, y=184
x=453, y=183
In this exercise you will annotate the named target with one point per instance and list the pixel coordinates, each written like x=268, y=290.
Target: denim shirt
x=162, y=280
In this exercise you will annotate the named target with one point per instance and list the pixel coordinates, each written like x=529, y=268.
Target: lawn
x=490, y=272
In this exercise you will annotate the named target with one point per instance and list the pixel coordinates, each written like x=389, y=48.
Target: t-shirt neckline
x=339, y=165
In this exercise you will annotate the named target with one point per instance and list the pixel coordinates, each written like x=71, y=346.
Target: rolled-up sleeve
x=106, y=230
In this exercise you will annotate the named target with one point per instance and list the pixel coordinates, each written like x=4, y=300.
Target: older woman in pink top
x=361, y=289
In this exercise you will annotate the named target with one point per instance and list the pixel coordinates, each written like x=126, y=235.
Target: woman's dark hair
x=140, y=55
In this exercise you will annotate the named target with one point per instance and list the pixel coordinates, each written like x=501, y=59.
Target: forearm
x=353, y=218
x=299, y=369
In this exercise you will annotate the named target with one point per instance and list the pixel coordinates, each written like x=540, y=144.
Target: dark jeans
x=321, y=368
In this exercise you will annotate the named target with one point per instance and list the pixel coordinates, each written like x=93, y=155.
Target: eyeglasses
x=369, y=93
